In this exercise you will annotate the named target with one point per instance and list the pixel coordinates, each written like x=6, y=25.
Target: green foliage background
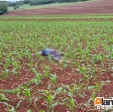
x=40, y=2
x=3, y=8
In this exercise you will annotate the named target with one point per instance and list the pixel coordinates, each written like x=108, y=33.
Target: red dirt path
x=95, y=7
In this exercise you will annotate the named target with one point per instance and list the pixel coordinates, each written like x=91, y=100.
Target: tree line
x=40, y=2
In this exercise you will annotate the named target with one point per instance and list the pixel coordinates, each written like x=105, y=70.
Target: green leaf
x=55, y=104
x=17, y=106
x=12, y=109
x=41, y=111
x=29, y=110
x=91, y=87
x=3, y=98
x=70, y=94
x=36, y=99
x=58, y=90
x=108, y=81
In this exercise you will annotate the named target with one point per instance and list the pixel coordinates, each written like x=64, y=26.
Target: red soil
x=95, y=7
x=68, y=75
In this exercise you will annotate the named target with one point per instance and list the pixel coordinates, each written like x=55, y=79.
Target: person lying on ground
x=54, y=55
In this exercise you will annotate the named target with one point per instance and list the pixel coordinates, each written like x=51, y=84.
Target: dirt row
x=59, y=19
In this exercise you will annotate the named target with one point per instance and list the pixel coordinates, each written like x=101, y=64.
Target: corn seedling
x=46, y=71
x=27, y=92
x=88, y=103
x=29, y=110
x=3, y=98
x=53, y=79
x=24, y=90
x=6, y=73
x=49, y=98
x=38, y=77
x=71, y=104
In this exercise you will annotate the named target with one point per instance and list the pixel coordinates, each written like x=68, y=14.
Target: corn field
x=31, y=83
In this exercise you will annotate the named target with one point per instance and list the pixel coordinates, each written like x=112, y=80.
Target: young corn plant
x=53, y=79
x=22, y=90
x=31, y=65
x=88, y=103
x=8, y=62
x=14, y=72
x=21, y=53
x=70, y=102
x=83, y=70
x=96, y=58
x=3, y=98
x=15, y=91
x=36, y=79
x=80, y=90
x=49, y=98
x=98, y=85
x=15, y=64
x=46, y=71
x=9, y=108
x=71, y=89
x=6, y=73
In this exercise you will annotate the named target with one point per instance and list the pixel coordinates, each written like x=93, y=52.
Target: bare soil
x=94, y=7
x=66, y=76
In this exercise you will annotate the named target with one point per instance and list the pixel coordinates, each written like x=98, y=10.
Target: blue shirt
x=55, y=55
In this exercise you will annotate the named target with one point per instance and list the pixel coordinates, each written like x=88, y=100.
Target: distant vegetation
x=3, y=8
x=15, y=5
x=40, y=2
